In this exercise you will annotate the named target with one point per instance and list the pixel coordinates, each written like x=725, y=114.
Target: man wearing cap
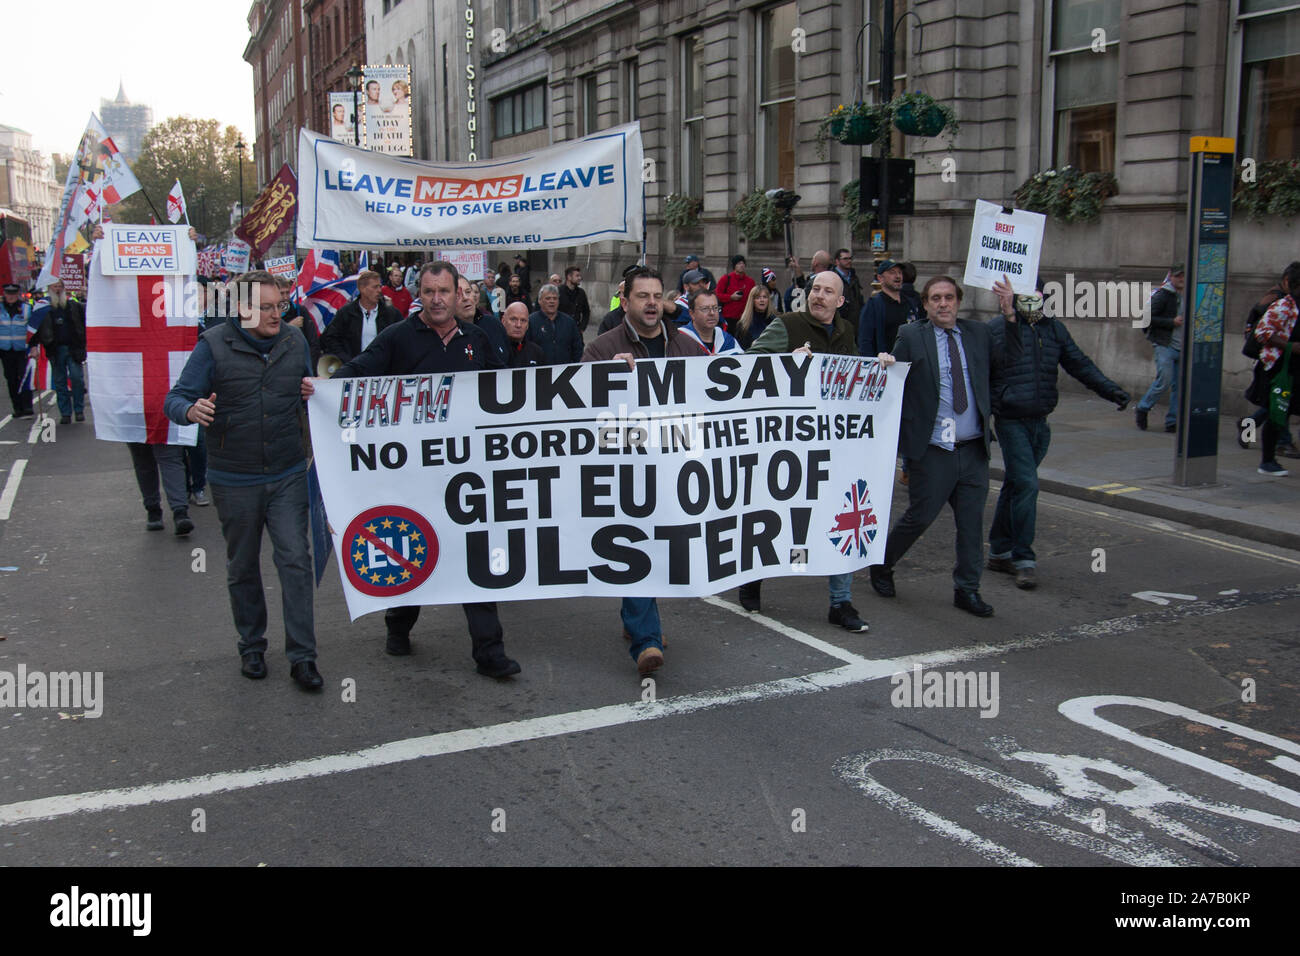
x=1167, y=341
x=693, y=281
x=885, y=312
x=693, y=262
x=63, y=333
x=13, y=348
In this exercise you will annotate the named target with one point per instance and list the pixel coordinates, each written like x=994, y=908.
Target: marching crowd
x=248, y=376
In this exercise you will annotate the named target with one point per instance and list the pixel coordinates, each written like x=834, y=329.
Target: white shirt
x=368, y=330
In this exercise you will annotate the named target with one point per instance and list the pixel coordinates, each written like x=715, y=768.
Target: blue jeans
x=65, y=368
x=1024, y=444
x=641, y=621
x=1167, y=366
x=841, y=586
x=280, y=508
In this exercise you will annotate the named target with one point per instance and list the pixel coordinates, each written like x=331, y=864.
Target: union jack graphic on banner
x=855, y=524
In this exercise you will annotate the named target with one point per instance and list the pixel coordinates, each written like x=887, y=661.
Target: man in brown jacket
x=643, y=334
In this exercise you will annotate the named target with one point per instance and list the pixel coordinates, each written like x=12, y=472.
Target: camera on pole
x=785, y=200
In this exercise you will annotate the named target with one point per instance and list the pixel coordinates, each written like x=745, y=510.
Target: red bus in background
x=17, y=257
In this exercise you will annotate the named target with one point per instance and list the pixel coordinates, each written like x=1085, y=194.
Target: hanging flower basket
x=857, y=125
x=919, y=114
x=858, y=130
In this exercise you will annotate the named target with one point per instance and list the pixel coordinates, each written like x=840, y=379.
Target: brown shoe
x=1026, y=579
x=649, y=660
x=1001, y=565
x=628, y=637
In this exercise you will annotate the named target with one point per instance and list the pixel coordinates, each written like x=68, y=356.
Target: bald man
x=520, y=353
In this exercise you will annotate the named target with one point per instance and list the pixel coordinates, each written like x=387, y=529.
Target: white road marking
x=1286, y=763
x=6, y=420
x=35, y=433
x=831, y=650
x=1162, y=597
x=555, y=725
x=11, y=488
x=1231, y=591
x=1083, y=710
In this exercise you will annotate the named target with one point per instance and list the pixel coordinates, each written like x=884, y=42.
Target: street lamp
x=354, y=76
x=240, y=147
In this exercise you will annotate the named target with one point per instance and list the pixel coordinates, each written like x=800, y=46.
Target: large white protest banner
x=576, y=192
x=682, y=477
x=1004, y=243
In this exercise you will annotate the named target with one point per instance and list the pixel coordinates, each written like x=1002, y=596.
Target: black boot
x=751, y=595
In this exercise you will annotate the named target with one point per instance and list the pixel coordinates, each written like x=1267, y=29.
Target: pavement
x=1098, y=454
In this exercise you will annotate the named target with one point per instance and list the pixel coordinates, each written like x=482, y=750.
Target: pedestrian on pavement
x=573, y=298
x=14, y=316
x=944, y=435
x=1167, y=342
x=643, y=334
x=693, y=262
x=1024, y=394
x=1285, y=445
x=435, y=340
x=820, y=329
x=853, y=298
x=520, y=353
x=553, y=330
x=245, y=382
x=885, y=312
x=760, y=310
x=63, y=334
x=1277, y=334
x=733, y=290
x=359, y=322
x=703, y=327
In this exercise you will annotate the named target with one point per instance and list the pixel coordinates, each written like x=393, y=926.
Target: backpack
x=1252, y=347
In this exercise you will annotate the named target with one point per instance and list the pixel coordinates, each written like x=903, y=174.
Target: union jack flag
x=39, y=374
x=855, y=524
x=322, y=289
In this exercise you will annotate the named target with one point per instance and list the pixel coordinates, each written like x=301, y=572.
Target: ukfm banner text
x=679, y=478
x=581, y=191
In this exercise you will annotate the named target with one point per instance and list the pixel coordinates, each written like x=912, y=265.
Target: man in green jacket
x=817, y=329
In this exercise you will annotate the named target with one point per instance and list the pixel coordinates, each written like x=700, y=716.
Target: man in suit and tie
x=944, y=435
x=357, y=323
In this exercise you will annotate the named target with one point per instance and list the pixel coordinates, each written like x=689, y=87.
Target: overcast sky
x=179, y=58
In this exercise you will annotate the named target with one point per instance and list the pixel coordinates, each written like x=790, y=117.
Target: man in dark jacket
x=520, y=353
x=63, y=333
x=555, y=332
x=1165, y=333
x=573, y=298
x=434, y=340
x=1024, y=394
x=885, y=312
x=357, y=324
x=245, y=382
x=853, y=300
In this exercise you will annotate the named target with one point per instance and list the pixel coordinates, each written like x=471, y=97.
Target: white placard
x=1004, y=243
x=147, y=250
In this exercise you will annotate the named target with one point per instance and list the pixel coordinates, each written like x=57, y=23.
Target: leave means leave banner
x=576, y=192
x=679, y=478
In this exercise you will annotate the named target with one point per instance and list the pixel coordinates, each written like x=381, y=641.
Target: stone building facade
x=277, y=51
x=336, y=39
x=28, y=186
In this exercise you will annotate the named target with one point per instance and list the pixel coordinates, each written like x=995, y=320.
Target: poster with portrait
x=386, y=109
x=343, y=119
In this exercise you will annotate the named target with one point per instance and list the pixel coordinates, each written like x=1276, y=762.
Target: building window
x=776, y=82
x=631, y=92
x=1268, y=118
x=589, y=121
x=692, y=117
x=1085, y=83
x=389, y=4
x=519, y=112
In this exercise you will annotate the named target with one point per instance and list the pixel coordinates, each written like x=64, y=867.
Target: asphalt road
x=773, y=739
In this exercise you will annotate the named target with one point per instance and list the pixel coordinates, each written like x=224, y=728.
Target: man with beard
x=63, y=333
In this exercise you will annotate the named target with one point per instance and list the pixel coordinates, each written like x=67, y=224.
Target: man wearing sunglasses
x=1024, y=394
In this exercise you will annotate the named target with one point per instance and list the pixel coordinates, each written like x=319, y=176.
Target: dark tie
x=958, y=379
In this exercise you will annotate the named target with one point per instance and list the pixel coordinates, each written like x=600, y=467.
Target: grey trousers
x=280, y=507
x=170, y=460
x=959, y=478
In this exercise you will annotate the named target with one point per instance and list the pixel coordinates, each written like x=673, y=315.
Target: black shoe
x=498, y=667
x=970, y=601
x=750, y=596
x=1170, y=429
x=882, y=580
x=254, y=665
x=846, y=616
x=1001, y=565
x=399, y=645
x=81, y=416
x=1141, y=416
x=183, y=523
x=154, y=521
x=65, y=420
x=306, y=676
